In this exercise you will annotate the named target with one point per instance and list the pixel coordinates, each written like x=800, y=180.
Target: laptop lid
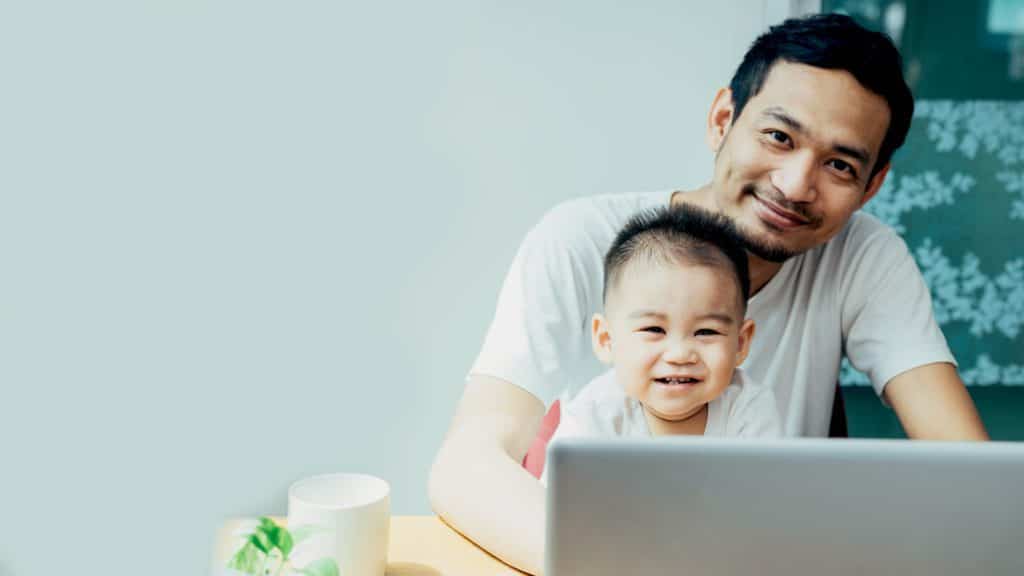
x=723, y=507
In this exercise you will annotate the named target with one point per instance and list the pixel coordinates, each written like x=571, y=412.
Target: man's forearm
x=932, y=403
x=482, y=492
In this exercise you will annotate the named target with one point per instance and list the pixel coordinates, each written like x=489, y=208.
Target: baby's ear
x=601, y=338
x=746, y=335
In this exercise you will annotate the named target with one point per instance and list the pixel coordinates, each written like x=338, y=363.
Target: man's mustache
x=773, y=196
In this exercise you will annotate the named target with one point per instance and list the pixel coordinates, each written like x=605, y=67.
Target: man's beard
x=762, y=249
x=771, y=252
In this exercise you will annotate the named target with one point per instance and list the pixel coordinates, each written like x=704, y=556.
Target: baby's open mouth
x=676, y=381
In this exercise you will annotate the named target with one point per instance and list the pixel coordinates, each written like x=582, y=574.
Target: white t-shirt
x=602, y=409
x=745, y=409
x=860, y=293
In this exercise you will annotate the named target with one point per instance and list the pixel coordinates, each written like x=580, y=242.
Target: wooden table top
x=419, y=546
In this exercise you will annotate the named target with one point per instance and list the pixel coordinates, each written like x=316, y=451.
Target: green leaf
x=322, y=567
x=260, y=540
x=277, y=536
x=282, y=539
x=303, y=532
x=248, y=559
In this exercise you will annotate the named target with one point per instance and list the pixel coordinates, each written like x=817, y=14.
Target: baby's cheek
x=722, y=359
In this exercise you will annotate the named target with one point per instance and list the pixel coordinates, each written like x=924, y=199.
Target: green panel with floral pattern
x=956, y=188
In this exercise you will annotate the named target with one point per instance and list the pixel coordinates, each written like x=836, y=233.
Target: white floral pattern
x=915, y=192
x=985, y=372
x=966, y=294
x=973, y=125
x=971, y=146
x=1013, y=183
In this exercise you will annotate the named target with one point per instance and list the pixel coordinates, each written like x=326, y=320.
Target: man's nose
x=795, y=178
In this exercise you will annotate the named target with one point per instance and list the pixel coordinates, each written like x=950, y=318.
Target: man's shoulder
x=862, y=229
x=862, y=235
x=581, y=230
x=599, y=213
x=618, y=202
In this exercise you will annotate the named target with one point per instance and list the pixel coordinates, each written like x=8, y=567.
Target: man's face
x=674, y=333
x=796, y=163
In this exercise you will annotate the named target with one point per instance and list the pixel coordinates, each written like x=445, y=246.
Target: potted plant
x=267, y=552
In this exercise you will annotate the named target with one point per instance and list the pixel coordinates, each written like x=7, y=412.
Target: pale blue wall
x=244, y=242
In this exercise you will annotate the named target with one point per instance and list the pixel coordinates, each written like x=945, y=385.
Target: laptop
x=728, y=507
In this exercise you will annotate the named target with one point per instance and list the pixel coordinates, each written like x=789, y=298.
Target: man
x=802, y=139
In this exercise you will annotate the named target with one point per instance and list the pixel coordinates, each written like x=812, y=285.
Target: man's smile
x=775, y=216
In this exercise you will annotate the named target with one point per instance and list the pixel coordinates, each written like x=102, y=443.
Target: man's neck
x=761, y=271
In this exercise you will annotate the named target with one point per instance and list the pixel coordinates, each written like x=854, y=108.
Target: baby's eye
x=653, y=329
x=707, y=332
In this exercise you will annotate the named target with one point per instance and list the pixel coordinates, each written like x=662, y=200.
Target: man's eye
x=843, y=166
x=653, y=329
x=707, y=332
x=779, y=137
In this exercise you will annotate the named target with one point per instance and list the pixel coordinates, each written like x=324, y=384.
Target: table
x=419, y=546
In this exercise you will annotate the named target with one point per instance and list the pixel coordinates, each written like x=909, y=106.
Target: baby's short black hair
x=679, y=234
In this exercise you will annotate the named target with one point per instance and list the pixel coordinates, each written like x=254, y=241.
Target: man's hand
x=932, y=403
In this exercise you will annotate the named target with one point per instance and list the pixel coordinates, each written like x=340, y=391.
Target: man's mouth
x=773, y=213
x=776, y=216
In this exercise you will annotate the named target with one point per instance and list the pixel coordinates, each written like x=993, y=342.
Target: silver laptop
x=703, y=507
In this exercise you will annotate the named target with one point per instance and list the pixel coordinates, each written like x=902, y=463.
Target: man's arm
x=477, y=482
x=932, y=403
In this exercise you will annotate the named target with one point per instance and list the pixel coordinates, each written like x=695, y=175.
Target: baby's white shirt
x=602, y=409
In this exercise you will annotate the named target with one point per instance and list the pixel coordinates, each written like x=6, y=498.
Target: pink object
x=535, y=456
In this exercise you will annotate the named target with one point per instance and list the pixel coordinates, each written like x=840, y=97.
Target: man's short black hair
x=837, y=42
x=681, y=234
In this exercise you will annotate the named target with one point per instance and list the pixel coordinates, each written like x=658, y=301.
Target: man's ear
x=875, y=184
x=746, y=335
x=601, y=338
x=720, y=118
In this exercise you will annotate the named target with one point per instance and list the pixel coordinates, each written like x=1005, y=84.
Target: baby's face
x=675, y=333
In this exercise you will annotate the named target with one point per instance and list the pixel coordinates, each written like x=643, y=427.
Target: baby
x=675, y=295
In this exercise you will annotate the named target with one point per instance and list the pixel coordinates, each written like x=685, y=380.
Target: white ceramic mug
x=347, y=518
